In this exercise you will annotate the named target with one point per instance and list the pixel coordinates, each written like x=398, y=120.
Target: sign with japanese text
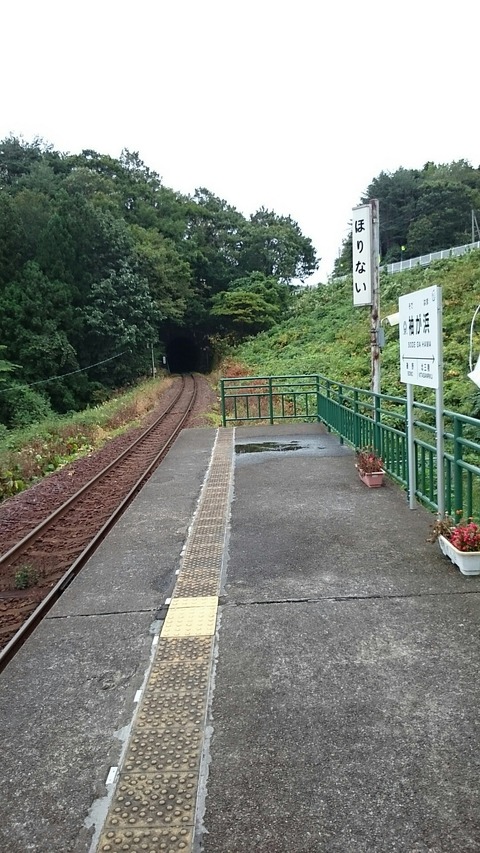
x=362, y=255
x=421, y=337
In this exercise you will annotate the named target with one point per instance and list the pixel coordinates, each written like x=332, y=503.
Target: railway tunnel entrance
x=185, y=355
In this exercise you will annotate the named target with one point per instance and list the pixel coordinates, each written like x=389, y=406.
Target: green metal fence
x=362, y=418
x=269, y=398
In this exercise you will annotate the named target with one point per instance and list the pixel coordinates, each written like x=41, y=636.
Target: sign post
x=421, y=363
x=366, y=275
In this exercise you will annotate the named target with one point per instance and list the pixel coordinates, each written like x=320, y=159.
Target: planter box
x=467, y=561
x=373, y=480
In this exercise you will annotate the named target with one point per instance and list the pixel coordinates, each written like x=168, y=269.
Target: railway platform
x=262, y=655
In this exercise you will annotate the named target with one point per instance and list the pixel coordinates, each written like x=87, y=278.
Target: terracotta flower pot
x=372, y=479
x=467, y=561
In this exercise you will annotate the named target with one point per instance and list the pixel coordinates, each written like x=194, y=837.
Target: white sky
x=295, y=106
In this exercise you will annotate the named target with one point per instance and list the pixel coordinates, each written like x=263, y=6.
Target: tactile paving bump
x=191, y=621
x=173, y=710
x=154, y=800
x=184, y=648
x=151, y=751
x=158, y=840
x=190, y=683
x=203, y=582
x=175, y=675
x=193, y=601
x=204, y=557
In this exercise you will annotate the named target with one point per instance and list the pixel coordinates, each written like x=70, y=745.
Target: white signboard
x=362, y=254
x=421, y=337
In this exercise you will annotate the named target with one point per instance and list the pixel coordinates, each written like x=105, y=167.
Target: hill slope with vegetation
x=101, y=264
x=324, y=333
x=421, y=211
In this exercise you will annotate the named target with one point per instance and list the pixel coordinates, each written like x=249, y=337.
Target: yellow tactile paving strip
x=197, y=621
x=154, y=804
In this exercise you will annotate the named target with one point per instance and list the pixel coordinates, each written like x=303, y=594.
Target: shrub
x=25, y=577
x=21, y=406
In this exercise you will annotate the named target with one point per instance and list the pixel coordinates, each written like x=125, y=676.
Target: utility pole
x=475, y=226
x=154, y=369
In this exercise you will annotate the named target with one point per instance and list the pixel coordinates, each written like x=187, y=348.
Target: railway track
x=53, y=552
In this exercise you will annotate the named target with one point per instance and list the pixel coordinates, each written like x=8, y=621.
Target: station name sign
x=362, y=228
x=420, y=337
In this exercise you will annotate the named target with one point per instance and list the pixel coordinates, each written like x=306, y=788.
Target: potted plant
x=370, y=467
x=460, y=542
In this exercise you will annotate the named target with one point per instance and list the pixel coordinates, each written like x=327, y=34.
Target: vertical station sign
x=362, y=228
x=421, y=337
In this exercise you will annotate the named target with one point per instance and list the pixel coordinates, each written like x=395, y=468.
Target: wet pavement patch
x=268, y=446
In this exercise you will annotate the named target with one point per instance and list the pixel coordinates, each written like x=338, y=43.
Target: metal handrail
x=422, y=260
x=360, y=417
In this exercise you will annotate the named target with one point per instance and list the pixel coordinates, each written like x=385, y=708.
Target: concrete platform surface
x=344, y=716
x=342, y=713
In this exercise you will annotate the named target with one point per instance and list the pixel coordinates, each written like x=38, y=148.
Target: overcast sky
x=295, y=106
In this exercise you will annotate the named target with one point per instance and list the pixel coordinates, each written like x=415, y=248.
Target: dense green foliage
x=99, y=261
x=421, y=211
x=325, y=334
x=29, y=452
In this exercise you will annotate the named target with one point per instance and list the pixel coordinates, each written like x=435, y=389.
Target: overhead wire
x=62, y=375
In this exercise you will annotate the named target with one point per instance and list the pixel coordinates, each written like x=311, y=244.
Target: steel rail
x=14, y=644
x=17, y=549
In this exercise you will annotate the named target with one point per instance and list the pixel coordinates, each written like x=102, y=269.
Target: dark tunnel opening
x=184, y=355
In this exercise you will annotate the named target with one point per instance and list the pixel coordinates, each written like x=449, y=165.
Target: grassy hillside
x=325, y=334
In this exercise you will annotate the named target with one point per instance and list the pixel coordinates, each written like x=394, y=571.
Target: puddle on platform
x=267, y=447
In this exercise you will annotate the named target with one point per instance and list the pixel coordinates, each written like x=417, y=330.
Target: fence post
x=378, y=426
x=356, y=420
x=340, y=413
x=222, y=396
x=457, y=457
x=328, y=406
x=317, y=388
x=270, y=399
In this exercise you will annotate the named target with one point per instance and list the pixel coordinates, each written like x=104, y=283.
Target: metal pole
x=375, y=316
x=412, y=485
x=154, y=370
x=222, y=396
x=439, y=413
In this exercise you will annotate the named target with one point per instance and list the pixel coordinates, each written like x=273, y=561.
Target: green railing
x=269, y=398
x=362, y=418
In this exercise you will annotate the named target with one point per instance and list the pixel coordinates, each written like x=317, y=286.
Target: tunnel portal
x=184, y=355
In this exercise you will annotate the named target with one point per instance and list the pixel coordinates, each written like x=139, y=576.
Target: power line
x=62, y=375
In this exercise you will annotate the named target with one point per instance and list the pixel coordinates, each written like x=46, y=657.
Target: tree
x=214, y=240
x=11, y=240
x=443, y=218
x=275, y=246
x=6, y=367
x=398, y=194
x=421, y=210
x=252, y=304
x=120, y=317
x=17, y=158
x=169, y=276
x=34, y=312
x=243, y=313
x=97, y=257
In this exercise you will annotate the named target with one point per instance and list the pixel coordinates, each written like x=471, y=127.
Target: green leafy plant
x=25, y=577
x=11, y=482
x=368, y=461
